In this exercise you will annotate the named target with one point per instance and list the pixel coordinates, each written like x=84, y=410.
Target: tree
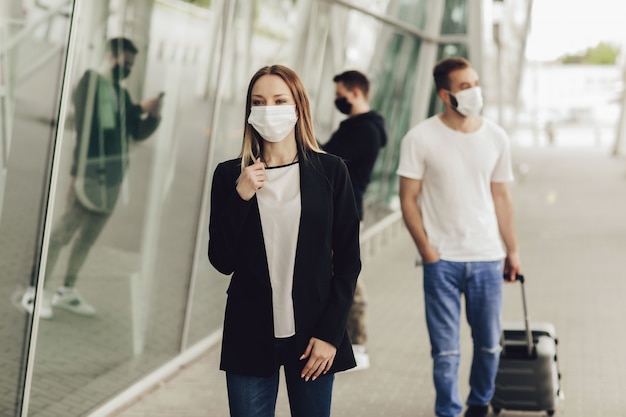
x=201, y=3
x=602, y=54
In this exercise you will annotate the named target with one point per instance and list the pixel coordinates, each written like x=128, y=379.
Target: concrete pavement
x=571, y=222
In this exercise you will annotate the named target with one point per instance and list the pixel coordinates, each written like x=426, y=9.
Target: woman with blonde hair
x=284, y=223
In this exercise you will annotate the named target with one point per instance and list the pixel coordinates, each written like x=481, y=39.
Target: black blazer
x=325, y=273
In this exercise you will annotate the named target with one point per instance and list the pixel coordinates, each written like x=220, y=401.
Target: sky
x=569, y=26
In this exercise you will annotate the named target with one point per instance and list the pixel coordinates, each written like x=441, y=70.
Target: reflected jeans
x=251, y=396
x=85, y=226
x=481, y=283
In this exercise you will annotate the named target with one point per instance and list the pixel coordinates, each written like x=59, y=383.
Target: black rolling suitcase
x=528, y=377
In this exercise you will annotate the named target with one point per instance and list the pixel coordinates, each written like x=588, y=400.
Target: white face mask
x=273, y=122
x=469, y=102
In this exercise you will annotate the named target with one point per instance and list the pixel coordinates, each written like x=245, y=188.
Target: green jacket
x=106, y=121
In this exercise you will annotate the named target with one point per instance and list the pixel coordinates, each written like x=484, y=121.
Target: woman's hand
x=321, y=356
x=251, y=179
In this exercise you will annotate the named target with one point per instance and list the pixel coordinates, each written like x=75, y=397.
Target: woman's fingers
x=321, y=357
x=251, y=180
x=257, y=174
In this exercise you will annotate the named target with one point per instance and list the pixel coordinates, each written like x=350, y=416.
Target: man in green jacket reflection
x=107, y=120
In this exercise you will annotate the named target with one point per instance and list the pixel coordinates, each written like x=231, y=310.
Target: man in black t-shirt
x=357, y=141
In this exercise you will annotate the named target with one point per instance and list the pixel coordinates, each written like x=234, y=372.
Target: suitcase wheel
x=550, y=413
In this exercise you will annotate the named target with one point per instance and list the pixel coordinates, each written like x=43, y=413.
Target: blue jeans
x=481, y=282
x=250, y=396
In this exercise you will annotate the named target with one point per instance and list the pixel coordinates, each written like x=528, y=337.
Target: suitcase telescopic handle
x=529, y=336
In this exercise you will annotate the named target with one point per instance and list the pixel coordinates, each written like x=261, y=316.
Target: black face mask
x=120, y=72
x=453, y=101
x=343, y=105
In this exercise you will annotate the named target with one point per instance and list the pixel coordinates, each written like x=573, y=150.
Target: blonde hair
x=252, y=146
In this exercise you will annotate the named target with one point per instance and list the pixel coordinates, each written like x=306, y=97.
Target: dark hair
x=117, y=46
x=354, y=79
x=443, y=69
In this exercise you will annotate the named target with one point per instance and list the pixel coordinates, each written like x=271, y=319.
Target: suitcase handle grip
x=518, y=277
x=529, y=336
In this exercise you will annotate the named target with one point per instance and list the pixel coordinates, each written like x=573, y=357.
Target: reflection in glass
x=32, y=51
x=131, y=165
x=455, y=17
x=106, y=120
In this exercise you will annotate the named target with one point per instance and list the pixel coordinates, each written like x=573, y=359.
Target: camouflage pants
x=357, y=326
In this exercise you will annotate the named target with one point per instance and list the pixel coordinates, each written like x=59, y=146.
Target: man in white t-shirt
x=454, y=172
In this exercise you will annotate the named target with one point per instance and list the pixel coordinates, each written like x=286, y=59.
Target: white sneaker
x=69, y=299
x=28, y=303
x=361, y=357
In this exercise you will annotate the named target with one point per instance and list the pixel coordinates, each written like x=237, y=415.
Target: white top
x=279, y=207
x=457, y=170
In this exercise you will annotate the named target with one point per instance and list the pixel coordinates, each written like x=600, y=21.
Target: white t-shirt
x=457, y=170
x=279, y=208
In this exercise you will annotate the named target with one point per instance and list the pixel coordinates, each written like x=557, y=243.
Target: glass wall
x=32, y=51
x=108, y=153
x=131, y=166
x=405, y=93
